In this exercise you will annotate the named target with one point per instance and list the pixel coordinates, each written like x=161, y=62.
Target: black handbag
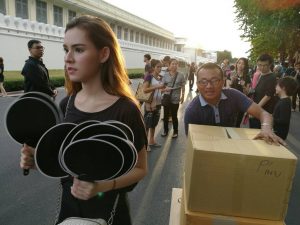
x=166, y=98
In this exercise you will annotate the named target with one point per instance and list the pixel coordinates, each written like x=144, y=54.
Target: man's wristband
x=265, y=124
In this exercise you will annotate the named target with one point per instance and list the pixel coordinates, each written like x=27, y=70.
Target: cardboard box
x=194, y=218
x=245, y=178
x=242, y=133
x=208, y=132
x=175, y=209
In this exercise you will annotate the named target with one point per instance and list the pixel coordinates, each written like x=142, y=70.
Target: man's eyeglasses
x=39, y=47
x=213, y=82
x=263, y=65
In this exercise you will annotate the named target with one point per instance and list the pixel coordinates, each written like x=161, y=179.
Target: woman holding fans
x=97, y=88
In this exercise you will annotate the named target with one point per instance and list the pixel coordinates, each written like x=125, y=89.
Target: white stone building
x=22, y=20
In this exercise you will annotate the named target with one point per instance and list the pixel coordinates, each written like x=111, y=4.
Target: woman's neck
x=93, y=98
x=92, y=87
x=172, y=73
x=283, y=95
x=155, y=75
x=240, y=72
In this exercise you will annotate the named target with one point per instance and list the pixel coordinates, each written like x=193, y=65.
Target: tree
x=223, y=55
x=270, y=26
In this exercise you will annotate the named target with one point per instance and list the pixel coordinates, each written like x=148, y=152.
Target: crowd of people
x=97, y=88
x=261, y=89
x=168, y=82
x=272, y=87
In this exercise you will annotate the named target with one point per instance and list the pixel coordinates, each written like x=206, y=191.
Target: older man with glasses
x=36, y=76
x=219, y=107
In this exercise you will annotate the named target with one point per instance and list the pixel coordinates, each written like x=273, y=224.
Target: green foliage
x=136, y=70
x=16, y=85
x=223, y=55
x=14, y=75
x=57, y=81
x=14, y=81
x=273, y=30
x=136, y=75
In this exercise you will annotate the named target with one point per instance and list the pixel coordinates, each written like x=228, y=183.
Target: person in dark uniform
x=36, y=76
x=191, y=76
x=2, y=89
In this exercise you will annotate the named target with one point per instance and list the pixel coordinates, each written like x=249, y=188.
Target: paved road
x=32, y=200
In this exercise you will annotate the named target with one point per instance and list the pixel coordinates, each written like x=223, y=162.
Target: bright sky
x=207, y=24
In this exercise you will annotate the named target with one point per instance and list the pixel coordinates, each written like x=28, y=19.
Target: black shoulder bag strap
x=173, y=83
x=67, y=106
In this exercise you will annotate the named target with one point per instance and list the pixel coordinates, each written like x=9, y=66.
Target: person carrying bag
x=153, y=84
x=166, y=98
x=142, y=96
x=174, y=82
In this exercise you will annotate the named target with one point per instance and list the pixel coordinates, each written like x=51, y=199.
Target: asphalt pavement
x=32, y=200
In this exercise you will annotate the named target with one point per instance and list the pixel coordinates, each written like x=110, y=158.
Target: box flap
x=242, y=147
x=208, y=132
x=242, y=133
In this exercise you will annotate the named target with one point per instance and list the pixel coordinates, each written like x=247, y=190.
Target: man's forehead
x=209, y=72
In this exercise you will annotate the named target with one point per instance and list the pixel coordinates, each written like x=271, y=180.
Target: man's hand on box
x=270, y=137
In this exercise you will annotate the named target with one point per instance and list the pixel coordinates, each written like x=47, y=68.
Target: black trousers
x=173, y=109
x=191, y=83
x=294, y=99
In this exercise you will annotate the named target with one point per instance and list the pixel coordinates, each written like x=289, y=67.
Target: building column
x=50, y=17
x=122, y=33
x=134, y=36
x=10, y=7
x=32, y=10
x=65, y=16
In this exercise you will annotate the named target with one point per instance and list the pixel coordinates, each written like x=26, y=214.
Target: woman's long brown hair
x=113, y=75
x=246, y=68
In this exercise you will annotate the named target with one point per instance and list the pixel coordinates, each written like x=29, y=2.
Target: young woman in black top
x=241, y=81
x=282, y=111
x=97, y=88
